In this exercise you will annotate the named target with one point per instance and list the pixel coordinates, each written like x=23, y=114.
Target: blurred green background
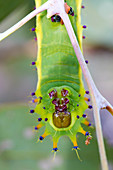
x=18, y=142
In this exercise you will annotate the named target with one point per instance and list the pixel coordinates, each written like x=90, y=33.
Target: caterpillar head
x=64, y=105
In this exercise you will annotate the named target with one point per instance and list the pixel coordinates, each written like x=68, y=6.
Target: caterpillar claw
x=76, y=148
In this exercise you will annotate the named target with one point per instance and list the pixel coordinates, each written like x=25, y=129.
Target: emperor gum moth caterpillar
x=60, y=91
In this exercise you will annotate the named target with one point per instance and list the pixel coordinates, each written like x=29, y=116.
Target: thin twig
x=23, y=21
x=93, y=91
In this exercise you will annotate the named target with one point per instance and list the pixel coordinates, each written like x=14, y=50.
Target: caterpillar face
x=64, y=105
x=61, y=119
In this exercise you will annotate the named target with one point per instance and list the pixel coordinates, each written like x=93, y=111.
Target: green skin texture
x=58, y=68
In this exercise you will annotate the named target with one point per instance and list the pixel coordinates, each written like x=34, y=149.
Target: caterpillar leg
x=43, y=136
x=75, y=147
x=55, y=146
x=55, y=149
x=87, y=99
x=84, y=132
x=38, y=126
x=87, y=123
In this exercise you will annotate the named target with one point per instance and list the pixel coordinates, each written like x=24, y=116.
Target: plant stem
x=23, y=21
x=95, y=95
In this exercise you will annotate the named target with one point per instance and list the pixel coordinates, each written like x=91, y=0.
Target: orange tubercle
x=54, y=144
x=45, y=134
x=39, y=126
x=67, y=8
x=35, y=100
x=75, y=143
x=86, y=123
x=109, y=109
x=61, y=21
x=83, y=132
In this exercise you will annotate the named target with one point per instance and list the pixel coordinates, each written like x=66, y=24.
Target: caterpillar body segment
x=60, y=87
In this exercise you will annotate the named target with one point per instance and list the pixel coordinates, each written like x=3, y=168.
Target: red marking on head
x=61, y=108
x=65, y=101
x=64, y=92
x=56, y=101
x=53, y=93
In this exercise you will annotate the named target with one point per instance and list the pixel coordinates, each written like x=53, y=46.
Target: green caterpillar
x=60, y=91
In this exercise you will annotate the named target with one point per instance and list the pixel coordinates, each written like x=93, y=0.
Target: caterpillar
x=59, y=96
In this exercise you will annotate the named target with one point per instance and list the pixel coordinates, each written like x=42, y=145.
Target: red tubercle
x=82, y=6
x=84, y=37
x=65, y=101
x=64, y=92
x=53, y=93
x=35, y=38
x=56, y=101
x=61, y=108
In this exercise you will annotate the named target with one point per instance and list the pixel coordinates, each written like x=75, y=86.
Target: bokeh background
x=18, y=141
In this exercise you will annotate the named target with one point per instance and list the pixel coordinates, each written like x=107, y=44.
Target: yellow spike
x=38, y=140
x=54, y=144
x=86, y=123
x=35, y=100
x=55, y=141
x=83, y=132
x=77, y=153
x=39, y=126
x=86, y=99
x=73, y=139
x=54, y=156
x=75, y=143
x=45, y=134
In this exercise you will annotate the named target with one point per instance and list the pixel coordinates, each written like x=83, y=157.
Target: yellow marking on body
x=39, y=37
x=75, y=143
x=45, y=134
x=83, y=132
x=54, y=144
x=70, y=132
x=58, y=81
x=79, y=35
